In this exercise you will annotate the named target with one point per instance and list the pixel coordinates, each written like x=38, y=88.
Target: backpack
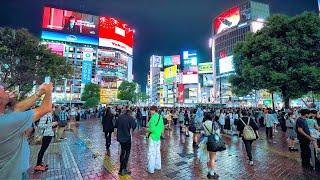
x=248, y=132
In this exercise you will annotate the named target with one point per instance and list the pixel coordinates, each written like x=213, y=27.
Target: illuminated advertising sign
x=87, y=54
x=56, y=48
x=180, y=93
x=227, y=19
x=116, y=34
x=190, y=70
x=69, y=38
x=190, y=79
x=170, y=74
x=167, y=61
x=69, y=22
x=156, y=61
x=205, y=68
x=86, y=72
x=176, y=59
x=107, y=95
x=171, y=60
x=226, y=64
x=207, y=80
x=190, y=58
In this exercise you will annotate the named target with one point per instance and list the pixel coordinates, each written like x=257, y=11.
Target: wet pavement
x=83, y=156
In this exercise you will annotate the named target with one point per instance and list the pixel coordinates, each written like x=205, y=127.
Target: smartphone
x=47, y=79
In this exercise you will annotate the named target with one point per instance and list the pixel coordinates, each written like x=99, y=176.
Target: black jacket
x=240, y=125
x=107, y=122
x=124, y=124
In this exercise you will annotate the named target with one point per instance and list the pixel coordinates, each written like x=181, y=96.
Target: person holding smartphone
x=14, y=121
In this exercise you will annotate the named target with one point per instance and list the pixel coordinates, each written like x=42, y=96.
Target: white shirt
x=45, y=125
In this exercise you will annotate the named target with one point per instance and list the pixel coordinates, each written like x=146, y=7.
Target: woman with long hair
x=206, y=153
x=108, y=126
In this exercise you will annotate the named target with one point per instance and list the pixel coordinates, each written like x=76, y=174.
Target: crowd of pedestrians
x=207, y=126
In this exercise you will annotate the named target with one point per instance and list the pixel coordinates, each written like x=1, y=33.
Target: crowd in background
x=206, y=125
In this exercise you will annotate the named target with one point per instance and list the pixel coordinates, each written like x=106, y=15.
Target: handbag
x=215, y=143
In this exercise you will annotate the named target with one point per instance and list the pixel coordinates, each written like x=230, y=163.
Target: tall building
x=229, y=28
x=154, y=78
x=99, y=48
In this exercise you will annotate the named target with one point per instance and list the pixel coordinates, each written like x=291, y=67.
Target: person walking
x=268, y=122
x=144, y=117
x=45, y=126
x=125, y=124
x=304, y=138
x=155, y=129
x=210, y=128
x=108, y=127
x=248, y=130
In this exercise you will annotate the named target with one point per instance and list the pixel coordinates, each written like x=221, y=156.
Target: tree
x=24, y=60
x=91, y=91
x=91, y=102
x=282, y=57
x=142, y=97
x=126, y=91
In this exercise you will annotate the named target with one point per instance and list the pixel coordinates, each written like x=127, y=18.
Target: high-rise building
x=229, y=28
x=99, y=48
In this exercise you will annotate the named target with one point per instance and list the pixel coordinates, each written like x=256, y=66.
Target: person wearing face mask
x=14, y=148
x=71, y=26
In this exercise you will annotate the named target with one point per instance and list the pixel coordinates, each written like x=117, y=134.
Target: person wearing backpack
x=211, y=144
x=155, y=129
x=248, y=130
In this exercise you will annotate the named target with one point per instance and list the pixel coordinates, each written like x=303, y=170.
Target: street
x=84, y=157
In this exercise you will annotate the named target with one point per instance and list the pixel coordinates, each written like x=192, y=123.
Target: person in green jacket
x=155, y=128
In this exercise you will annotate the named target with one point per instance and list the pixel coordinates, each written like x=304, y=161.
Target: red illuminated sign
x=116, y=34
x=181, y=93
x=227, y=20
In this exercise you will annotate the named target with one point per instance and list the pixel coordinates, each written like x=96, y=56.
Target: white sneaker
x=251, y=163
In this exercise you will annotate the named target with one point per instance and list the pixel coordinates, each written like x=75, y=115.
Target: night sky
x=163, y=27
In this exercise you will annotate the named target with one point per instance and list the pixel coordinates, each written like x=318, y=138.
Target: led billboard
x=227, y=19
x=170, y=74
x=180, y=93
x=70, y=22
x=171, y=60
x=156, y=61
x=205, y=68
x=57, y=36
x=207, y=80
x=190, y=79
x=226, y=64
x=116, y=34
x=56, y=48
x=190, y=58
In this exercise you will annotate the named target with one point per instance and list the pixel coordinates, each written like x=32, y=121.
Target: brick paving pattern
x=83, y=156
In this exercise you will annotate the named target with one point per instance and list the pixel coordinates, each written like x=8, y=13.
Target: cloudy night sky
x=163, y=27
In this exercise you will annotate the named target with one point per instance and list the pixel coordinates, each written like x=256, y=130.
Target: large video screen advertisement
x=227, y=19
x=69, y=22
x=226, y=64
x=115, y=33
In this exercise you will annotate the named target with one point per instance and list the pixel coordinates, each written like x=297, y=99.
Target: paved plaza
x=83, y=156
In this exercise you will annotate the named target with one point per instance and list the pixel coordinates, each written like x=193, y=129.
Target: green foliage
x=91, y=102
x=282, y=57
x=126, y=91
x=24, y=60
x=90, y=91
